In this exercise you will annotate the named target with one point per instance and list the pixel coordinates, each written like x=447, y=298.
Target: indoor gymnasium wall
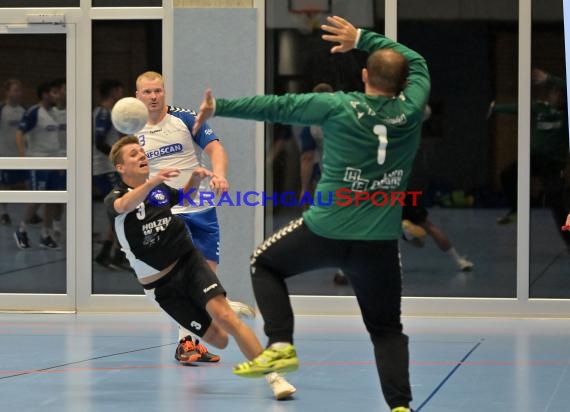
x=217, y=48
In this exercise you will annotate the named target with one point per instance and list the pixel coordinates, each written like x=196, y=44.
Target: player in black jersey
x=163, y=256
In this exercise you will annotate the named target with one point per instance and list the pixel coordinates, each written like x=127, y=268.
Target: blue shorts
x=48, y=179
x=205, y=232
x=104, y=183
x=13, y=177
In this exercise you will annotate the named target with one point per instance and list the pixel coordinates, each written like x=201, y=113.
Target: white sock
x=279, y=345
x=182, y=333
x=23, y=227
x=453, y=254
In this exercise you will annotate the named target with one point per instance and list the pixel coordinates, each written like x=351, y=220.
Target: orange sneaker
x=186, y=351
x=205, y=356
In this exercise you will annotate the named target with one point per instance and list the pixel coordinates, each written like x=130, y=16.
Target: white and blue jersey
x=10, y=117
x=170, y=144
x=42, y=130
x=104, y=136
x=60, y=116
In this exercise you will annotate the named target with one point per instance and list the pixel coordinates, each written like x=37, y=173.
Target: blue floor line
x=438, y=387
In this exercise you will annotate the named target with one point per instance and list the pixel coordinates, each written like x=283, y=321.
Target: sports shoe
x=205, y=356
x=21, y=238
x=5, y=219
x=48, y=243
x=186, y=351
x=510, y=217
x=241, y=309
x=279, y=385
x=270, y=360
x=464, y=265
x=401, y=409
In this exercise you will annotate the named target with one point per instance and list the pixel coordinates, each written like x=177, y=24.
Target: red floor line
x=370, y=362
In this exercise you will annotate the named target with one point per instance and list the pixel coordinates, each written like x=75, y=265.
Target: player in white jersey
x=40, y=129
x=167, y=142
x=11, y=111
x=58, y=92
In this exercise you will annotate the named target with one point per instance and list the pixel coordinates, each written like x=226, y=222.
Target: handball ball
x=129, y=115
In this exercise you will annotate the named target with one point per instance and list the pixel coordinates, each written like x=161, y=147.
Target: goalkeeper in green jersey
x=370, y=141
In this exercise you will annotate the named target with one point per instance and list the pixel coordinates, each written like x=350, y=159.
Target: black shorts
x=373, y=267
x=185, y=290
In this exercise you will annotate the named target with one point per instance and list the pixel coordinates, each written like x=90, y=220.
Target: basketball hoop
x=309, y=20
x=309, y=13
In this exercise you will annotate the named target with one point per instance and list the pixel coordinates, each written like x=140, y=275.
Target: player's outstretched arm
x=219, y=159
x=207, y=108
x=194, y=181
x=340, y=31
x=129, y=201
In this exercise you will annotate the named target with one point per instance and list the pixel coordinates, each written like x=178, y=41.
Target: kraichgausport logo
x=341, y=197
x=158, y=197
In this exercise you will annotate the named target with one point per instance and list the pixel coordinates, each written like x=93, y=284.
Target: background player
x=11, y=112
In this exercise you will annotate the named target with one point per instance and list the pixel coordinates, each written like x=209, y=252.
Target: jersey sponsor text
x=164, y=151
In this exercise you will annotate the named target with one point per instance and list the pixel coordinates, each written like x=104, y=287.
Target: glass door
x=37, y=146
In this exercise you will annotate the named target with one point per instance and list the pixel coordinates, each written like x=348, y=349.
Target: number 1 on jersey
x=382, y=133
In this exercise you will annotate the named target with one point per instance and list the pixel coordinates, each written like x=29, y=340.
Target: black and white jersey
x=150, y=235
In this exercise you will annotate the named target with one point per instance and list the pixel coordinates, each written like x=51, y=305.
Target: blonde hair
x=116, y=156
x=150, y=75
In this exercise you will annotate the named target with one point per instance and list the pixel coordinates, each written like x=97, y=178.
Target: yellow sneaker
x=270, y=360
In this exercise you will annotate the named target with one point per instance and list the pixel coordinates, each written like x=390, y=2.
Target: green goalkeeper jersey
x=369, y=145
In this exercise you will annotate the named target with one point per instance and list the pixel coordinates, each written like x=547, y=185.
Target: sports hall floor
x=124, y=362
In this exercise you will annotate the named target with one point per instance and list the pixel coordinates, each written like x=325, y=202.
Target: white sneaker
x=465, y=265
x=241, y=309
x=279, y=385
